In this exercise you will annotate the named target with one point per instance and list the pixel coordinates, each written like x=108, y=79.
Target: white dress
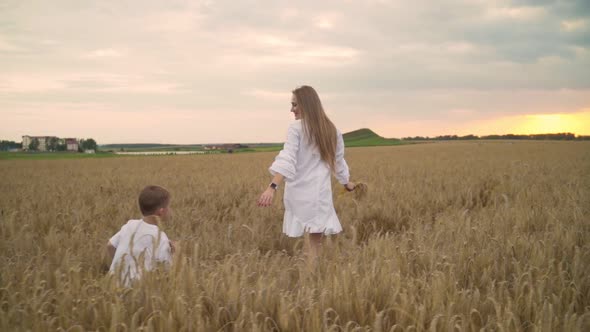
x=309, y=205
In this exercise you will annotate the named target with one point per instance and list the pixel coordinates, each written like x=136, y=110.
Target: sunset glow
x=577, y=123
x=556, y=123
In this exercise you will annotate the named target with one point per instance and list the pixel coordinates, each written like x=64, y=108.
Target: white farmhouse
x=71, y=144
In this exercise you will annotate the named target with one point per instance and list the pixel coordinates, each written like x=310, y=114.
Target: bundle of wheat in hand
x=359, y=192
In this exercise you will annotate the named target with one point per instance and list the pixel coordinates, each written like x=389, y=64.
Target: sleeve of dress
x=342, y=172
x=286, y=161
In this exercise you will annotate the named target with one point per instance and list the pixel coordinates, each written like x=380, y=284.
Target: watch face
x=273, y=185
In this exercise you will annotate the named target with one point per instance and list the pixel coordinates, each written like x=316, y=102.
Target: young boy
x=140, y=244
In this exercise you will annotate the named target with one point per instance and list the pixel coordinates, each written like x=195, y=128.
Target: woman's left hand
x=266, y=197
x=350, y=186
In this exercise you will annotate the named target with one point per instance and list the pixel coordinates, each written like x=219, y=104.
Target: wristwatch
x=274, y=186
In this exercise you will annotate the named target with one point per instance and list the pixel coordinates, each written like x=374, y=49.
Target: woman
x=313, y=151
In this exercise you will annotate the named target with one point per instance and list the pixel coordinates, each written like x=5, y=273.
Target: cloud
x=31, y=83
x=71, y=83
x=574, y=25
x=105, y=53
x=7, y=46
x=516, y=13
x=268, y=95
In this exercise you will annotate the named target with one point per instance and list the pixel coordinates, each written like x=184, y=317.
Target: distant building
x=71, y=144
x=43, y=140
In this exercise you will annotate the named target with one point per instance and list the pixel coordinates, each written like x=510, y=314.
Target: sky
x=138, y=71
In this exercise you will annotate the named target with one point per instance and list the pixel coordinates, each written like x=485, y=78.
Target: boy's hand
x=173, y=246
x=111, y=250
x=266, y=197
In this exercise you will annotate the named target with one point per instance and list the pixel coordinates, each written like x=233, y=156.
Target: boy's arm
x=173, y=247
x=165, y=250
x=107, y=256
x=113, y=243
x=111, y=250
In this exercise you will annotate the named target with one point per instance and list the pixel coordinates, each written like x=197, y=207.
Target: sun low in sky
x=534, y=124
x=556, y=123
x=222, y=71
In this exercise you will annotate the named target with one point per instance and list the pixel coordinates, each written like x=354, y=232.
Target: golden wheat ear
x=342, y=192
x=360, y=191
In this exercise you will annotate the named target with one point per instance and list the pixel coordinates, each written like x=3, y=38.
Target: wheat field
x=458, y=236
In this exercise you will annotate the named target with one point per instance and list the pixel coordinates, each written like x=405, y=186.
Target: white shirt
x=309, y=206
x=139, y=246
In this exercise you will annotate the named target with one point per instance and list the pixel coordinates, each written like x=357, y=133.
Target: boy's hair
x=153, y=198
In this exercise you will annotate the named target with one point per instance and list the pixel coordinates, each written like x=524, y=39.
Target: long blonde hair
x=316, y=124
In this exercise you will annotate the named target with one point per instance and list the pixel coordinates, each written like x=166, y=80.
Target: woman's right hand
x=350, y=186
x=266, y=197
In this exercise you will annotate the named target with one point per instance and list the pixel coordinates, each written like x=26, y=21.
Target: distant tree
x=81, y=145
x=52, y=144
x=34, y=145
x=62, y=146
x=568, y=136
x=558, y=136
x=8, y=145
x=89, y=144
x=446, y=137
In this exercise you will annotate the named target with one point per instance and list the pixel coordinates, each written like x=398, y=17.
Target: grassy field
x=272, y=148
x=51, y=155
x=451, y=237
x=151, y=147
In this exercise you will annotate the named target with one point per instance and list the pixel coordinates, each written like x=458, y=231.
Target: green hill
x=367, y=137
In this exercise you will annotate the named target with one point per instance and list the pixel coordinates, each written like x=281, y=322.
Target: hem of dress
x=293, y=227
x=329, y=231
